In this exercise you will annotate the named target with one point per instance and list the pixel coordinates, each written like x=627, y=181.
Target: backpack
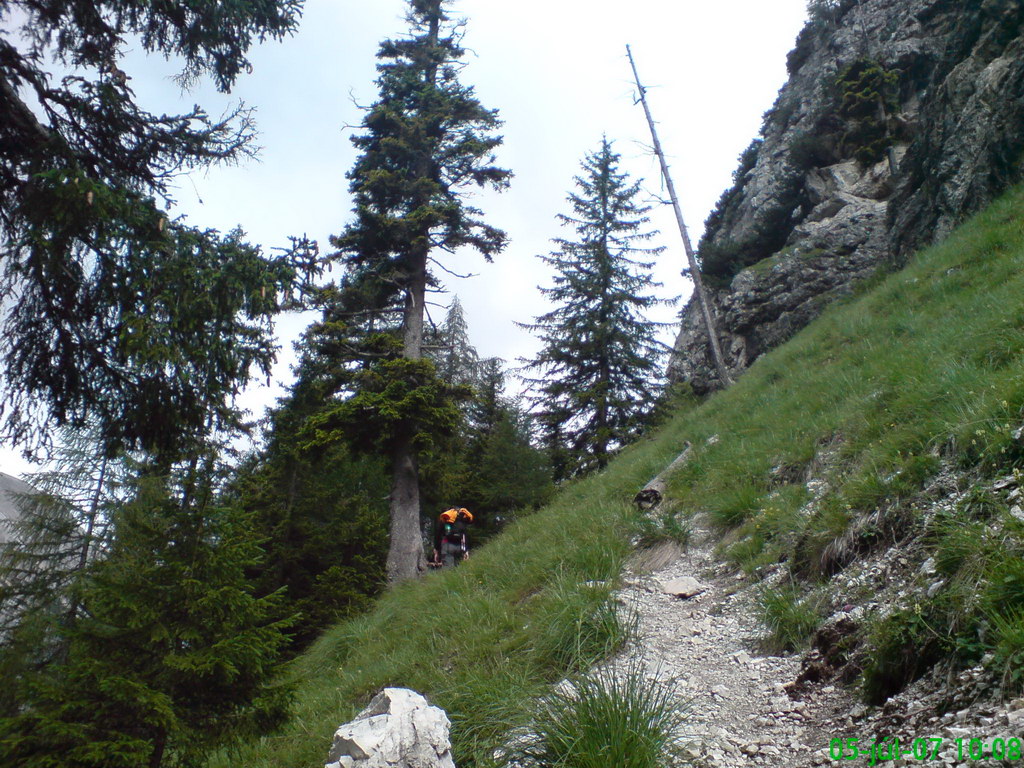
x=453, y=532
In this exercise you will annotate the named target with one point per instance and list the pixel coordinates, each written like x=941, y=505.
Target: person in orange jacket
x=451, y=543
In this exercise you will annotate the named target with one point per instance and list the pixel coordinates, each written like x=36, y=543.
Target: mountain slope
x=900, y=118
x=831, y=448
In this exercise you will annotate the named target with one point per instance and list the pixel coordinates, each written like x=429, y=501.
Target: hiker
x=451, y=545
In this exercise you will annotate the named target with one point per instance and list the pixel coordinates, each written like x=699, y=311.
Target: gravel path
x=739, y=714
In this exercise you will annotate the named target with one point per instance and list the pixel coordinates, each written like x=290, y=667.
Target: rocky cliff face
x=900, y=118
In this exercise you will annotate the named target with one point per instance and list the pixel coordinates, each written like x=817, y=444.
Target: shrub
x=727, y=203
x=811, y=149
x=867, y=96
x=902, y=647
x=1008, y=631
x=721, y=260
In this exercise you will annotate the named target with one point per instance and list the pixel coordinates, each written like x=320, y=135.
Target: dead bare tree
x=694, y=272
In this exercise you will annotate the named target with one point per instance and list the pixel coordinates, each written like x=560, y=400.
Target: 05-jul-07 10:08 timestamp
x=923, y=749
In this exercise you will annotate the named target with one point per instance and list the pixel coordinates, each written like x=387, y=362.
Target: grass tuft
x=623, y=719
x=789, y=617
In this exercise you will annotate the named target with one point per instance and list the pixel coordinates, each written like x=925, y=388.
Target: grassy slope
x=925, y=363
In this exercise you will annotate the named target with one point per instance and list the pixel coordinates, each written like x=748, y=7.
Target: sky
x=558, y=75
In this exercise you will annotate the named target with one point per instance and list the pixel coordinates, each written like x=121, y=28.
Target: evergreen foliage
x=493, y=467
x=425, y=142
x=322, y=505
x=322, y=513
x=600, y=359
x=63, y=526
x=171, y=652
x=454, y=356
x=113, y=314
x=867, y=94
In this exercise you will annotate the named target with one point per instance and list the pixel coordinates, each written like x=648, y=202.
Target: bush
x=606, y=719
x=810, y=150
x=866, y=88
x=721, y=260
x=1008, y=631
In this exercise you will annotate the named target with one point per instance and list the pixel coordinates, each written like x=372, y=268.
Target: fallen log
x=650, y=496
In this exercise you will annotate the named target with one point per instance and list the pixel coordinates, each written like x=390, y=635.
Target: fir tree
x=426, y=140
x=112, y=313
x=171, y=654
x=600, y=359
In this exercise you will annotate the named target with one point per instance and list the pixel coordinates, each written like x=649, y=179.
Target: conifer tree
x=425, y=142
x=448, y=345
x=600, y=361
x=112, y=313
x=171, y=653
x=322, y=511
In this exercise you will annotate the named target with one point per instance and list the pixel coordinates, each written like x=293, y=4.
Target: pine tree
x=114, y=314
x=172, y=652
x=599, y=364
x=426, y=140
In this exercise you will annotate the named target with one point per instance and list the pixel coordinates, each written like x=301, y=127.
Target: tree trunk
x=698, y=284
x=650, y=495
x=405, y=554
x=159, y=746
x=405, y=551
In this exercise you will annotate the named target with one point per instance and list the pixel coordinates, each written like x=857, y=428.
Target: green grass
x=789, y=616
x=602, y=719
x=924, y=367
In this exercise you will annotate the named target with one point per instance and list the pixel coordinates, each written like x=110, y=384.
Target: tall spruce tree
x=171, y=652
x=425, y=142
x=113, y=314
x=600, y=361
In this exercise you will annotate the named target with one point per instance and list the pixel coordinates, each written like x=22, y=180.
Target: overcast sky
x=556, y=71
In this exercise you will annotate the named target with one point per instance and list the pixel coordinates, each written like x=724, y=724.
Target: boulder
x=398, y=728
x=684, y=588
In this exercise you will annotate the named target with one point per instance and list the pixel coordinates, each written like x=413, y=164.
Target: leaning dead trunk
x=693, y=269
x=651, y=494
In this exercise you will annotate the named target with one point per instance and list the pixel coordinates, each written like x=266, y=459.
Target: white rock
x=684, y=587
x=399, y=727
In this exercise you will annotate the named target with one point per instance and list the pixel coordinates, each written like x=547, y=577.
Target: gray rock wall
x=957, y=124
x=10, y=489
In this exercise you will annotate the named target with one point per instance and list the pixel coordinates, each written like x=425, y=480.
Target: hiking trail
x=710, y=645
